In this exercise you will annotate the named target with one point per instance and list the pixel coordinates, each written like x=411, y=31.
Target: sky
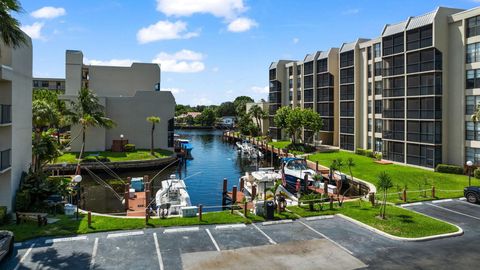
x=210, y=51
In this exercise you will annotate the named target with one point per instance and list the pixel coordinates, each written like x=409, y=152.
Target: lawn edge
x=406, y=239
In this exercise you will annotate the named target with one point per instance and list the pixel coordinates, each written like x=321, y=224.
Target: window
x=419, y=38
x=392, y=44
x=394, y=151
x=473, y=79
x=325, y=109
x=347, y=109
x=325, y=94
x=171, y=129
x=369, y=53
x=471, y=104
x=378, y=125
x=370, y=124
x=346, y=59
x=369, y=88
x=325, y=79
x=299, y=70
x=299, y=82
x=394, y=130
x=369, y=106
x=378, y=106
x=347, y=125
x=290, y=95
x=369, y=142
x=424, y=155
x=5, y=159
x=472, y=154
x=299, y=95
x=308, y=95
x=290, y=71
x=377, y=51
x=308, y=68
x=424, y=131
x=275, y=97
x=327, y=124
x=473, y=53
x=347, y=142
x=424, y=108
x=347, y=75
x=45, y=84
x=393, y=65
x=378, y=87
x=322, y=65
x=308, y=81
x=36, y=84
x=290, y=83
x=275, y=86
x=425, y=84
x=473, y=26
x=394, y=87
x=5, y=114
x=393, y=108
x=347, y=92
x=272, y=74
x=369, y=70
x=425, y=60
x=378, y=145
x=378, y=69
x=308, y=105
x=472, y=131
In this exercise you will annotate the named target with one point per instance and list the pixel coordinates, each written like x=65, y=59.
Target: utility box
x=270, y=210
x=189, y=211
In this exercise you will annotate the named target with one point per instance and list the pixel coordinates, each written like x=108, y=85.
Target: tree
x=240, y=104
x=207, y=118
x=294, y=123
x=280, y=118
x=10, y=31
x=226, y=109
x=257, y=113
x=476, y=115
x=44, y=116
x=384, y=183
x=89, y=113
x=312, y=121
x=154, y=120
x=350, y=164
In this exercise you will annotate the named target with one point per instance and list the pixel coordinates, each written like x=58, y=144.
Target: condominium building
x=49, y=83
x=15, y=118
x=408, y=93
x=129, y=95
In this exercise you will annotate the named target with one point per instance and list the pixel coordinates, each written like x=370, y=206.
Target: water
x=213, y=160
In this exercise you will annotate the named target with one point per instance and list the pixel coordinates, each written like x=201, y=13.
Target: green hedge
x=445, y=168
x=360, y=151
x=3, y=214
x=476, y=173
x=95, y=159
x=129, y=147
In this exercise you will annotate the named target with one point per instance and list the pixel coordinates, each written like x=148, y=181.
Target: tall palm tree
x=257, y=113
x=44, y=116
x=88, y=111
x=154, y=120
x=10, y=31
x=384, y=183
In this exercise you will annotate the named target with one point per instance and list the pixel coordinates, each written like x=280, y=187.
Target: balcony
x=5, y=160
x=5, y=114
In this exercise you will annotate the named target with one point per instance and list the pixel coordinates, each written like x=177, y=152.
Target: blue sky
x=210, y=50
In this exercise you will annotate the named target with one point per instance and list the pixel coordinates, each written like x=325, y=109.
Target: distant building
x=264, y=122
x=227, y=121
x=49, y=83
x=192, y=114
x=130, y=95
x=15, y=118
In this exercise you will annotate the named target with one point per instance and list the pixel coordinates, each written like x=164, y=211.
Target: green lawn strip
x=71, y=157
x=69, y=226
x=447, y=185
x=399, y=222
x=280, y=144
x=277, y=216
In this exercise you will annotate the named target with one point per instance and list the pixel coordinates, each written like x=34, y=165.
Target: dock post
x=224, y=193
x=433, y=191
x=126, y=196
x=245, y=210
x=147, y=190
x=316, y=166
x=129, y=180
x=305, y=181
x=271, y=156
x=200, y=209
x=89, y=219
x=242, y=184
x=404, y=195
x=234, y=197
x=331, y=202
x=254, y=192
x=325, y=187
x=147, y=215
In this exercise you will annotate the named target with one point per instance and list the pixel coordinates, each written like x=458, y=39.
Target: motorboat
x=262, y=181
x=185, y=145
x=173, y=197
x=297, y=169
x=248, y=150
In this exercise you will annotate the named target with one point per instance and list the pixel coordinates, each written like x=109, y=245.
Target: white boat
x=172, y=197
x=248, y=150
x=263, y=180
x=296, y=169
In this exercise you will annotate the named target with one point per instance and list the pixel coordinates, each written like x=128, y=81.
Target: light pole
x=77, y=180
x=469, y=165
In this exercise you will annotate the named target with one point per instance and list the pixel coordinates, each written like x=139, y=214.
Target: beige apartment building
x=129, y=95
x=15, y=118
x=56, y=84
x=408, y=93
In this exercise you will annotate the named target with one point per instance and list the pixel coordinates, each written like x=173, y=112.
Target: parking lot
x=331, y=242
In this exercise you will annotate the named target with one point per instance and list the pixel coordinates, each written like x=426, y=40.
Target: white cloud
x=351, y=11
x=173, y=90
x=228, y=9
x=48, y=13
x=184, y=61
x=241, y=24
x=34, y=30
x=260, y=90
x=215, y=69
x=164, y=30
x=112, y=62
x=295, y=40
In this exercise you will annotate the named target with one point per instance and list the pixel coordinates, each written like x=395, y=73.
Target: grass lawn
x=399, y=222
x=280, y=144
x=68, y=226
x=446, y=185
x=71, y=157
x=277, y=216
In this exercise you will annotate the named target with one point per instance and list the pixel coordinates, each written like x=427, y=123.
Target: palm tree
x=44, y=116
x=384, y=183
x=89, y=112
x=257, y=113
x=350, y=163
x=476, y=115
x=10, y=31
x=154, y=120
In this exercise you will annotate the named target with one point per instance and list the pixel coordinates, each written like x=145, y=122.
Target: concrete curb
x=405, y=239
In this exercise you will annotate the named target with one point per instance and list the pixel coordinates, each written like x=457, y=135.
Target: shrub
x=22, y=200
x=301, y=148
x=129, y=147
x=476, y=173
x=369, y=153
x=378, y=156
x=89, y=159
x=103, y=159
x=360, y=151
x=3, y=214
x=445, y=168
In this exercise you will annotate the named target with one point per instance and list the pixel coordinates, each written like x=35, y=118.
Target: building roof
x=351, y=45
x=311, y=56
x=192, y=114
x=391, y=29
x=422, y=20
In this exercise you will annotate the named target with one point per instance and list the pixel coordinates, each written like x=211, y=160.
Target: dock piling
x=200, y=209
x=234, y=197
x=89, y=218
x=126, y=196
x=433, y=191
x=254, y=192
x=242, y=184
x=245, y=210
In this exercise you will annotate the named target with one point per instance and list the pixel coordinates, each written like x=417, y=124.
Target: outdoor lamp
x=469, y=165
x=121, y=136
x=77, y=179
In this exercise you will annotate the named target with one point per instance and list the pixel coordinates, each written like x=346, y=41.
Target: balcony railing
x=5, y=159
x=5, y=114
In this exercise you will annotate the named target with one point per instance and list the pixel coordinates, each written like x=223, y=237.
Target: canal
x=213, y=160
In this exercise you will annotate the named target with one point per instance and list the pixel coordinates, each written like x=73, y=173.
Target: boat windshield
x=297, y=165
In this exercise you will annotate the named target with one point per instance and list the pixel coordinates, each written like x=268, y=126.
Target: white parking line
x=94, y=253
x=326, y=237
x=188, y=229
x=159, y=254
x=462, y=199
x=411, y=204
x=114, y=235
x=453, y=211
x=213, y=239
x=231, y=226
x=24, y=256
x=267, y=223
x=264, y=234
x=440, y=201
x=319, y=217
x=67, y=239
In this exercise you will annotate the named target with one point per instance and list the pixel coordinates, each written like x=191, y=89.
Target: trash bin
x=69, y=209
x=270, y=210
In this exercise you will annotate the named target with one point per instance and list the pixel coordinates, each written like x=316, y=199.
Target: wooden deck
x=136, y=206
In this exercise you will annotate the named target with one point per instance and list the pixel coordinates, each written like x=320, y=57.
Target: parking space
x=237, y=236
x=286, y=232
